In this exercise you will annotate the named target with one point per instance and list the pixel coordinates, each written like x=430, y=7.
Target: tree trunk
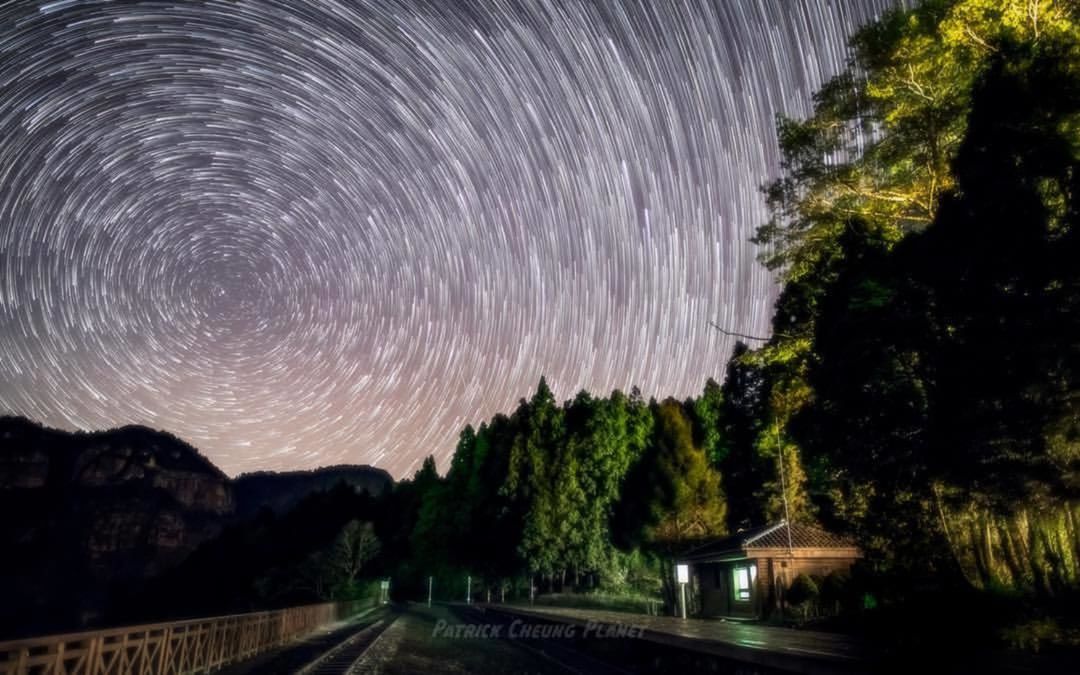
x=947, y=533
x=1038, y=560
x=1074, y=537
x=1011, y=553
x=988, y=542
x=981, y=571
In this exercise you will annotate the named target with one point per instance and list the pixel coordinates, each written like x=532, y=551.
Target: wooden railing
x=176, y=648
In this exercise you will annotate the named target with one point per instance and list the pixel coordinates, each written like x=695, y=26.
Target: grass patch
x=629, y=603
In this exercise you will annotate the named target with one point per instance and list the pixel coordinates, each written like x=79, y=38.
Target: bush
x=835, y=591
x=802, y=590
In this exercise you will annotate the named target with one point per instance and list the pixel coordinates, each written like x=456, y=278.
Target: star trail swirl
x=302, y=233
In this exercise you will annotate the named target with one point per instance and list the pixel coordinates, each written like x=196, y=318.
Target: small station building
x=746, y=574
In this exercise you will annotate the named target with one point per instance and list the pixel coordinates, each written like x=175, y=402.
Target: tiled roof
x=770, y=536
x=802, y=536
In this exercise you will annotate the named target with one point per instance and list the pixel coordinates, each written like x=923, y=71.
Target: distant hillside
x=280, y=492
x=86, y=517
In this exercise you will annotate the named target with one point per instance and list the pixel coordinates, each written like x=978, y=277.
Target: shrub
x=802, y=593
x=835, y=590
x=802, y=590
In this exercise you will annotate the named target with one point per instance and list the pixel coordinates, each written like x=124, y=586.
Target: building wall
x=782, y=571
x=774, y=576
x=715, y=585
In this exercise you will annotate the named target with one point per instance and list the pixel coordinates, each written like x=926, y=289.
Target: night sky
x=301, y=233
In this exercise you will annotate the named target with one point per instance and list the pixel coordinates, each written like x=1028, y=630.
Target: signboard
x=682, y=574
x=384, y=584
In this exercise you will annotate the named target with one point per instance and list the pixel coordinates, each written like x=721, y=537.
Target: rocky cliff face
x=92, y=512
x=87, y=517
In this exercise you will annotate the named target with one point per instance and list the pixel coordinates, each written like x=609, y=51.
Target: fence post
x=163, y=652
x=93, y=650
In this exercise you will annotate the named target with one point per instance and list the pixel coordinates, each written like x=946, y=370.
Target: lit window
x=744, y=578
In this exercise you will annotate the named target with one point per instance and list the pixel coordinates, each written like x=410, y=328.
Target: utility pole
x=430, y=583
x=468, y=590
x=783, y=486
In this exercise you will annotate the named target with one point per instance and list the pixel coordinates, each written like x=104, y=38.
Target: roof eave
x=719, y=556
x=804, y=551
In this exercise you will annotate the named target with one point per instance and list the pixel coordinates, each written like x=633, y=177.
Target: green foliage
x=708, y=412
x=879, y=145
x=956, y=400
x=684, y=501
x=608, y=602
x=868, y=170
x=550, y=491
x=919, y=388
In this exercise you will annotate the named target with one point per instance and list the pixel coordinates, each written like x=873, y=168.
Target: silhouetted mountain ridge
x=281, y=491
x=90, y=515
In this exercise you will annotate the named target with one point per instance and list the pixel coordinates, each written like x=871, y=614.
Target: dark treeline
x=593, y=494
x=578, y=495
x=323, y=549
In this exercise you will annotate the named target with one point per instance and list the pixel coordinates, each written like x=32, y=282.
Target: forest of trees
x=924, y=368
x=567, y=494
x=921, y=386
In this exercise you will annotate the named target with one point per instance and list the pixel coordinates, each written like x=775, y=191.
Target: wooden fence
x=176, y=648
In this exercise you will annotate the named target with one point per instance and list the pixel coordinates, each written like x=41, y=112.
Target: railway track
x=343, y=657
x=353, y=655
x=561, y=652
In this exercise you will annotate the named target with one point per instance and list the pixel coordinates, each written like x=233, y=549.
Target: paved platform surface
x=784, y=648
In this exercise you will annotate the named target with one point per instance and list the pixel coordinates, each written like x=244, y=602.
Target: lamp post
x=384, y=591
x=682, y=575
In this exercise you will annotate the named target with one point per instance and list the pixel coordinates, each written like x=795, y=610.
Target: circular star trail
x=304, y=233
